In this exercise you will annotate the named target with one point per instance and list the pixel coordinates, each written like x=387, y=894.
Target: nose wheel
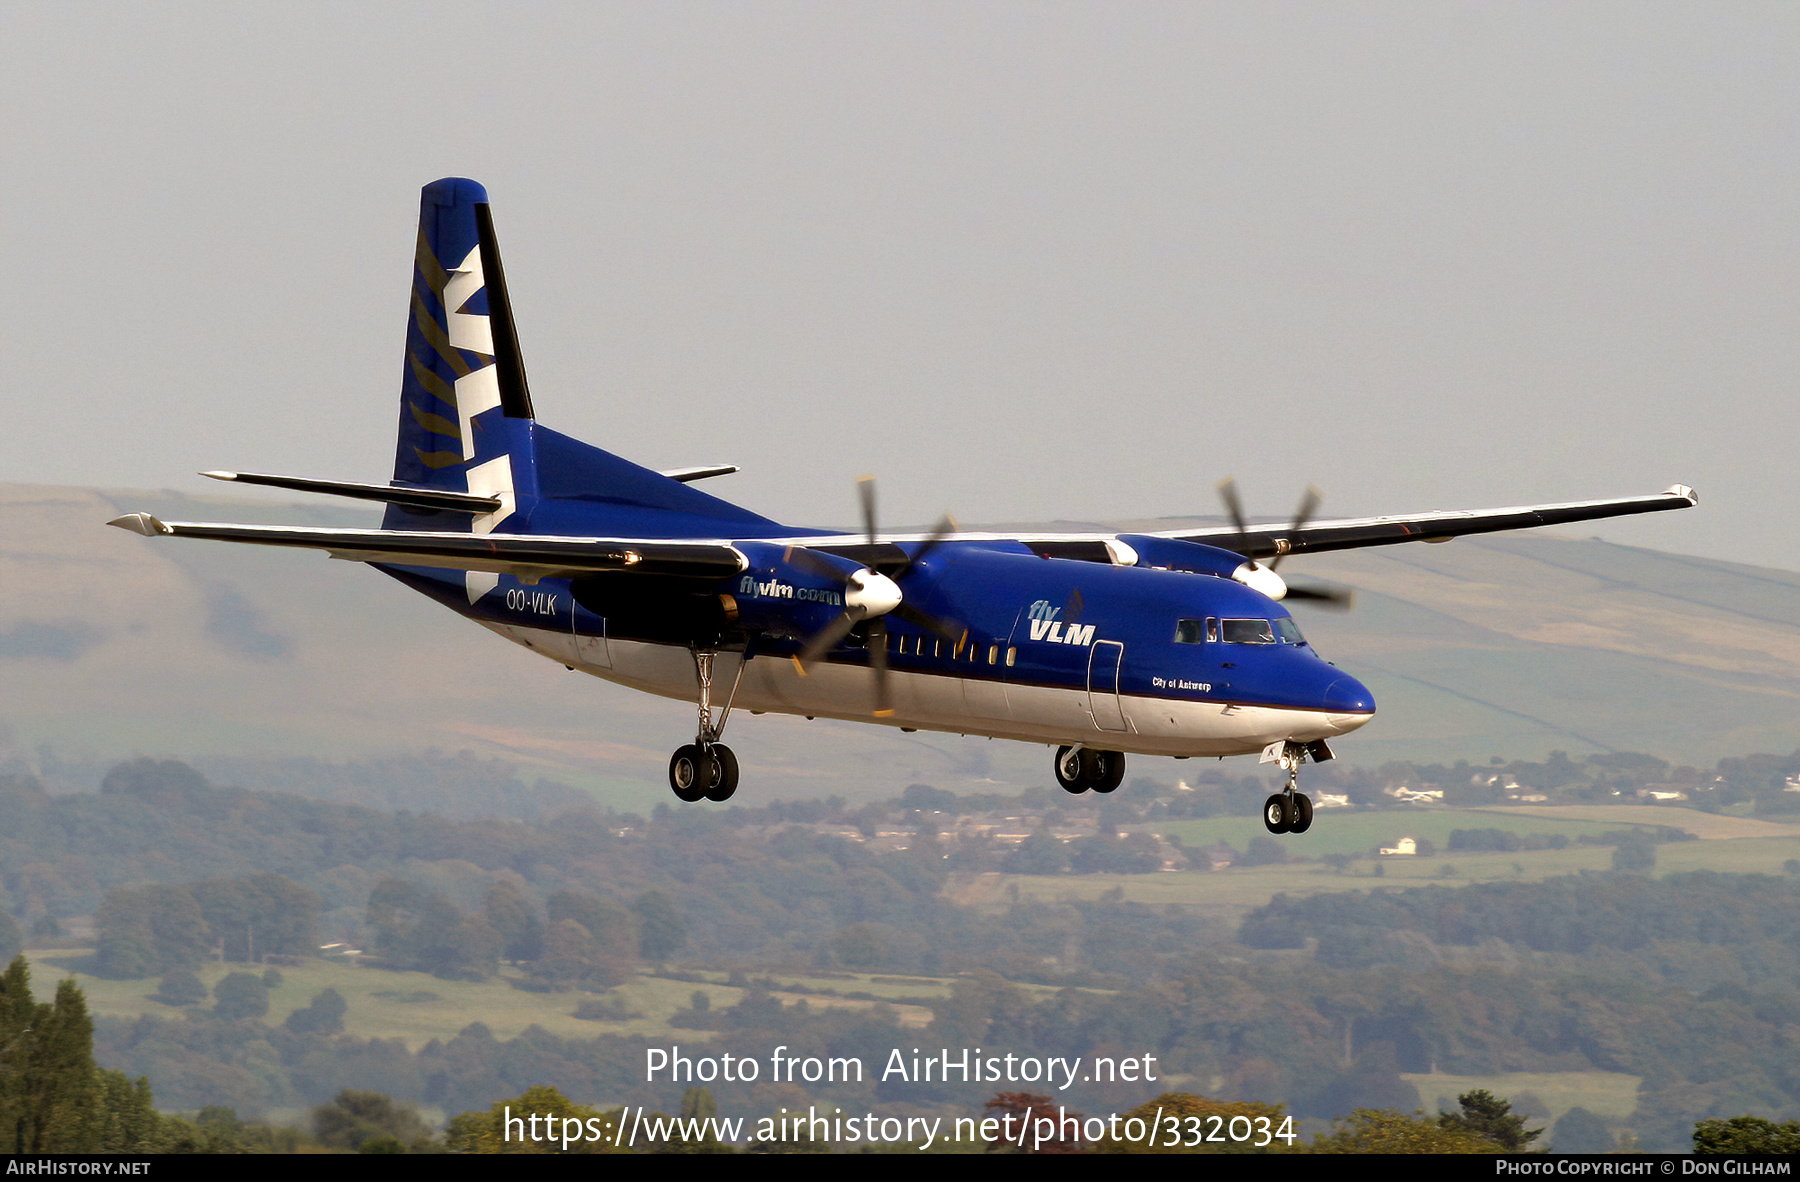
x=706, y=769
x=1081, y=769
x=1290, y=811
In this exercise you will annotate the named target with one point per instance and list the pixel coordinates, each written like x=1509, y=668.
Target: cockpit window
x=1247, y=632
x=1189, y=631
x=1289, y=632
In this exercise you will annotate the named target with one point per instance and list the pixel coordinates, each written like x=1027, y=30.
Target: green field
x=1740, y=846
x=1358, y=831
x=416, y=1007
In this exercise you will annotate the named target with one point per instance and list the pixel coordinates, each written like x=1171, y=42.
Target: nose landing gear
x=1080, y=768
x=1290, y=811
x=706, y=769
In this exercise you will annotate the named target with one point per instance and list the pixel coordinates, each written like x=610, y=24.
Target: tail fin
x=466, y=423
x=465, y=408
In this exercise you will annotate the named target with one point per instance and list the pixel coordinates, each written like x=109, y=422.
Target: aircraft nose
x=1348, y=704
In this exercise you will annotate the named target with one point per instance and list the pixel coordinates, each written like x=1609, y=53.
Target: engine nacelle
x=1195, y=558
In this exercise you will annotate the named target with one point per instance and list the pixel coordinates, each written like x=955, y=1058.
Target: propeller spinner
x=1263, y=578
x=869, y=596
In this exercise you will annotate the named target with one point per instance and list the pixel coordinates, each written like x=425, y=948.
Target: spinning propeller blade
x=871, y=595
x=1325, y=595
x=1309, y=505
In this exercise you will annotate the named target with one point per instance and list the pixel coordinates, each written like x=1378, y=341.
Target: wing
x=1270, y=540
x=529, y=557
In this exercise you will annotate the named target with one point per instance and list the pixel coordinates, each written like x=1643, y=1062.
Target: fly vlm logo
x=776, y=589
x=1045, y=626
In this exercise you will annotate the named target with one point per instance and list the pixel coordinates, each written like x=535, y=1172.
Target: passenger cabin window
x=1289, y=632
x=1189, y=631
x=1247, y=631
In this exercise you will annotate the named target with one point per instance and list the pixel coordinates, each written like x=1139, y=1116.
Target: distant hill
x=113, y=645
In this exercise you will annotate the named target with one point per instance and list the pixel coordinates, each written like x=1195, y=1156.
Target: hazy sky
x=1023, y=261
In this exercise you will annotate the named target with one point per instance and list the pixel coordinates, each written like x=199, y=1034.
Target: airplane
x=1172, y=643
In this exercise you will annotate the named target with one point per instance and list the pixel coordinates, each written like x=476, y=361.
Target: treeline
x=585, y=900
x=150, y=930
x=1321, y=1040
x=54, y=1099
x=588, y=941
x=580, y=939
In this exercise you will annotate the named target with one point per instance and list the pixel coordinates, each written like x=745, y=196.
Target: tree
x=1266, y=1124
x=163, y=781
x=508, y=1126
x=1265, y=851
x=1747, y=1134
x=427, y=933
x=1388, y=1131
x=661, y=930
x=12, y=941
x=52, y=1097
x=1635, y=854
x=1580, y=1131
x=353, y=1119
x=609, y=955
x=240, y=995
x=180, y=987
x=324, y=1015
x=148, y=931
x=512, y=915
x=1014, y=1109
x=1487, y=1115
x=263, y=913
x=1040, y=853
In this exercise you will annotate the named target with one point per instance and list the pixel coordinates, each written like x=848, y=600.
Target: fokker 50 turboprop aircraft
x=1171, y=643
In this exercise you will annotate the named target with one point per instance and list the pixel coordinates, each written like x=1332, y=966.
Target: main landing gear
x=1289, y=811
x=1081, y=768
x=706, y=769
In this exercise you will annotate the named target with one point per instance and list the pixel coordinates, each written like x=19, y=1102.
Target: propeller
x=871, y=595
x=1264, y=578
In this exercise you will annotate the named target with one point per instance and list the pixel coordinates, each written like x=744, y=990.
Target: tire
x=1071, y=770
x=689, y=772
x=1302, y=818
x=724, y=780
x=1111, y=770
x=1275, y=814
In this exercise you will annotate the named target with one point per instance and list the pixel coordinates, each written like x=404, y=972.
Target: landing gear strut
x=706, y=769
x=1290, y=811
x=1081, y=768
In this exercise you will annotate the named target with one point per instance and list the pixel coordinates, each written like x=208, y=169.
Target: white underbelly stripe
x=942, y=702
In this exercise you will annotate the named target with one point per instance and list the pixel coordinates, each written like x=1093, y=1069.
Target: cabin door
x=1104, y=659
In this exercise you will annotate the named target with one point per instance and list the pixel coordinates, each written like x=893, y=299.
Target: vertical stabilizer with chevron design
x=465, y=408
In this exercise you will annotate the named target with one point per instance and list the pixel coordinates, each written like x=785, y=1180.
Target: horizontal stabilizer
x=701, y=472
x=412, y=498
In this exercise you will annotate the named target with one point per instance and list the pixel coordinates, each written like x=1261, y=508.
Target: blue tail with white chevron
x=466, y=419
